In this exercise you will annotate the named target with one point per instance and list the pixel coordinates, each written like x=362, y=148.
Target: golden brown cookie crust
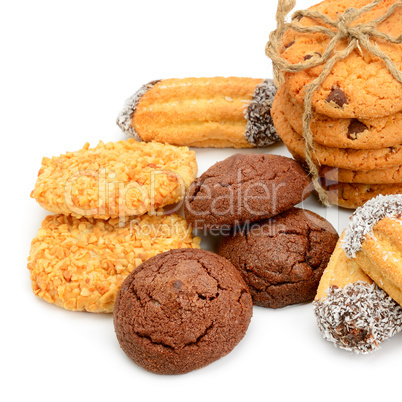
x=353, y=159
x=202, y=112
x=123, y=178
x=340, y=272
x=79, y=264
x=377, y=133
x=370, y=88
x=352, y=196
x=381, y=256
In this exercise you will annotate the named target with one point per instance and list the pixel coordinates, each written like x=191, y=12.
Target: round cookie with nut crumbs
x=382, y=132
x=360, y=86
x=282, y=259
x=181, y=311
x=115, y=179
x=245, y=188
x=79, y=264
x=345, y=158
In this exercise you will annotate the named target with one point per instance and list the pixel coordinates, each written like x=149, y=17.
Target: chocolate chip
x=309, y=56
x=289, y=44
x=338, y=97
x=356, y=127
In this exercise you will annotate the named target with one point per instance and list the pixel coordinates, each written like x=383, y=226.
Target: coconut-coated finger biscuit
x=123, y=178
x=376, y=133
x=352, y=311
x=360, y=86
x=202, y=112
x=374, y=240
x=79, y=264
x=353, y=159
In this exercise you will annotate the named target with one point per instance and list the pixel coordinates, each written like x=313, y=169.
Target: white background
x=66, y=69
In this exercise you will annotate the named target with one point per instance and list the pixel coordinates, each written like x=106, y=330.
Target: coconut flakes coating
x=115, y=179
x=125, y=116
x=79, y=264
x=364, y=218
x=260, y=129
x=358, y=317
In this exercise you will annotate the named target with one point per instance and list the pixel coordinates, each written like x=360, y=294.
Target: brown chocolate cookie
x=245, y=188
x=282, y=259
x=181, y=310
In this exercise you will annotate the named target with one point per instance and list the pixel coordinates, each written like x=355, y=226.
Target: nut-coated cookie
x=361, y=86
x=123, y=178
x=377, y=133
x=353, y=159
x=79, y=264
x=181, y=311
x=282, y=259
x=245, y=188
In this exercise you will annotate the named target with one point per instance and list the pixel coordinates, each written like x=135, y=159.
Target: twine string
x=358, y=36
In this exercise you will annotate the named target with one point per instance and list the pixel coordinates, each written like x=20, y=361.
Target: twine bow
x=358, y=35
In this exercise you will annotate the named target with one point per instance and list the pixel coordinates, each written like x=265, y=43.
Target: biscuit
x=352, y=312
x=123, y=178
x=202, y=112
x=352, y=159
x=282, y=259
x=352, y=196
x=245, y=188
x=377, y=133
x=181, y=311
x=374, y=240
x=391, y=175
x=79, y=264
x=360, y=86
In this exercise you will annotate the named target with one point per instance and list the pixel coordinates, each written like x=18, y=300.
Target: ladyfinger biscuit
x=79, y=264
x=352, y=312
x=202, y=112
x=374, y=240
x=123, y=178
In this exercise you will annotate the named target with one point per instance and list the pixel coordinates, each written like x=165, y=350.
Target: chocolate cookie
x=245, y=188
x=181, y=310
x=282, y=259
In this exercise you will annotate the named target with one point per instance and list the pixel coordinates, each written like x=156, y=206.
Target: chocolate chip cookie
x=245, y=188
x=282, y=259
x=345, y=158
x=181, y=310
x=376, y=133
x=360, y=86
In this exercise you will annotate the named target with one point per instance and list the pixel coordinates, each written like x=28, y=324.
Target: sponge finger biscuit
x=202, y=112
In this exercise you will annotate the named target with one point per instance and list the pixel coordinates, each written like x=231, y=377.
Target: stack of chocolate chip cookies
x=357, y=111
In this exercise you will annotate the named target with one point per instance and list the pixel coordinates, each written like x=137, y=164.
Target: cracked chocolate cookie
x=181, y=310
x=282, y=259
x=245, y=188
